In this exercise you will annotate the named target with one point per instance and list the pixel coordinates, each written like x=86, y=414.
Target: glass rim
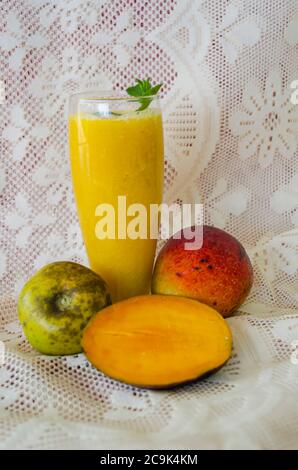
x=107, y=95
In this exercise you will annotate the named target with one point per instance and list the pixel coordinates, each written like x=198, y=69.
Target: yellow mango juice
x=111, y=157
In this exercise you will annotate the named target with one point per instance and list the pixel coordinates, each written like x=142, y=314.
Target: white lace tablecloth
x=231, y=142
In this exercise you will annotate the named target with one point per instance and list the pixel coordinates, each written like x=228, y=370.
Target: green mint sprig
x=143, y=88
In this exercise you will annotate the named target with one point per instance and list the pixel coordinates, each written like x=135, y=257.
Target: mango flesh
x=156, y=341
x=56, y=303
x=218, y=274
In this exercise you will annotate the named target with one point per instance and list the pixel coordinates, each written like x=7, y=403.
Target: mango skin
x=218, y=274
x=56, y=304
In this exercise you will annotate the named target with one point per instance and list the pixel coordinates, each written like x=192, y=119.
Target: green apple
x=56, y=304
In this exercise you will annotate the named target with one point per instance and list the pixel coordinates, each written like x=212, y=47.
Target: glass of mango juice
x=117, y=159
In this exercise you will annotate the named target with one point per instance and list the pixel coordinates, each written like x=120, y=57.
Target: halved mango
x=157, y=341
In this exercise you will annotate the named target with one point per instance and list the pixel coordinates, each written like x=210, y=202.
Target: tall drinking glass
x=117, y=155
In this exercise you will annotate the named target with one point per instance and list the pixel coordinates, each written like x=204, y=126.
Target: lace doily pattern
x=231, y=135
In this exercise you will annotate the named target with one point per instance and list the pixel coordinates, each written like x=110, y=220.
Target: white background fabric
x=231, y=143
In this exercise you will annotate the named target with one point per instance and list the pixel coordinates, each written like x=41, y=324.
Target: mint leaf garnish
x=143, y=88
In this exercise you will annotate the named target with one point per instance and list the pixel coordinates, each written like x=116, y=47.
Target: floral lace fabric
x=231, y=135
